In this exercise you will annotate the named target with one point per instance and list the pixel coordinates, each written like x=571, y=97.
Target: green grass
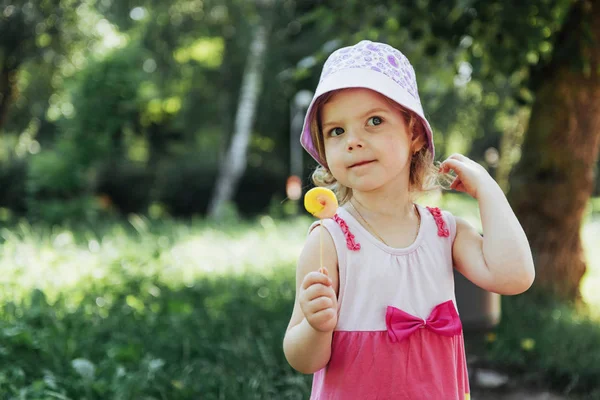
x=550, y=346
x=148, y=309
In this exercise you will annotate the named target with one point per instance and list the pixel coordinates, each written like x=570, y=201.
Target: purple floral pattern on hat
x=378, y=57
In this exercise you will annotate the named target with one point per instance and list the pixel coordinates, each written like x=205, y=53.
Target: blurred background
x=151, y=182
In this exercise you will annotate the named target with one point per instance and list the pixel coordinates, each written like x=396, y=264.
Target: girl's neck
x=397, y=204
x=394, y=220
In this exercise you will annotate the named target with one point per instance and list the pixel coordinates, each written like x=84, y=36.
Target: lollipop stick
x=321, y=252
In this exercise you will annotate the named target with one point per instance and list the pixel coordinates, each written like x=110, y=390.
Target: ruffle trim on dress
x=439, y=221
x=350, y=242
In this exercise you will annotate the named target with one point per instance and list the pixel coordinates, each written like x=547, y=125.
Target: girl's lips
x=358, y=164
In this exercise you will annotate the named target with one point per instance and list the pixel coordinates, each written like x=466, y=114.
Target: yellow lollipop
x=322, y=203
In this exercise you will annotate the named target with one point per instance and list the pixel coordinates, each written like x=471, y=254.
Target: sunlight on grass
x=57, y=261
x=30, y=261
x=261, y=250
x=177, y=253
x=591, y=280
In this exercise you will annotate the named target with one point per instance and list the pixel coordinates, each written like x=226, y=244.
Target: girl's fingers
x=454, y=183
x=320, y=303
x=317, y=290
x=324, y=315
x=459, y=157
x=458, y=185
x=314, y=278
x=452, y=164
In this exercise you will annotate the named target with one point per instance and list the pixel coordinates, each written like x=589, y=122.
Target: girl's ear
x=418, y=142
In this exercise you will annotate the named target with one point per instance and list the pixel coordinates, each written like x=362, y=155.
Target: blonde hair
x=424, y=175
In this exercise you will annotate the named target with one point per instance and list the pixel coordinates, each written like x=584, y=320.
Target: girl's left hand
x=470, y=175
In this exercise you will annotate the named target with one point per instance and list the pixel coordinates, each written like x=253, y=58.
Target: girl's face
x=367, y=144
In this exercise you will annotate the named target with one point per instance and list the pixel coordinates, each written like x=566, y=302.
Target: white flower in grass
x=156, y=364
x=84, y=367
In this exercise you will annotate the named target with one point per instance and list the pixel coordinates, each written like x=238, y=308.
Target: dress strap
x=334, y=231
x=350, y=242
x=439, y=221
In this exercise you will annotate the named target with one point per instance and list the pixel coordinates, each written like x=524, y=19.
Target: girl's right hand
x=318, y=301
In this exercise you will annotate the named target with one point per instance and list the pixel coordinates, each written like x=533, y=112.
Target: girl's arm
x=306, y=349
x=501, y=260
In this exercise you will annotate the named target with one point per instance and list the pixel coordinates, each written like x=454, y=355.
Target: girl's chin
x=363, y=186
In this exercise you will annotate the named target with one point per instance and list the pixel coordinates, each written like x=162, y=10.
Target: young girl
x=380, y=321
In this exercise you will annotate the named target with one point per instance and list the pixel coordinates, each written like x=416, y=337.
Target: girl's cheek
x=331, y=148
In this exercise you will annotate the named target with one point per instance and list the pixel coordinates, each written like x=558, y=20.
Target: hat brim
x=368, y=79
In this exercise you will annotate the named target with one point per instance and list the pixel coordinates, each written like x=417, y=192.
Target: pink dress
x=398, y=334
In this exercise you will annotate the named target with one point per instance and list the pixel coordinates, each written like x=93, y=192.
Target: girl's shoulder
x=341, y=234
x=445, y=222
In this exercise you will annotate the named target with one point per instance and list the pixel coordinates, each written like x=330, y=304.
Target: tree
x=552, y=183
x=31, y=30
x=234, y=164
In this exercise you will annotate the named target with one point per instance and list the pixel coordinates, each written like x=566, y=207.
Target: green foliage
x=110, y=321
x=142, y=80
x=548, y=342
x=56, y=211
x=51, y=174
x=28, y=28
x=127, y=184
x=56, y=190
x=13, y=175
x=105, y=103
x=184, y=185
x=147, y=340
x=32, y=32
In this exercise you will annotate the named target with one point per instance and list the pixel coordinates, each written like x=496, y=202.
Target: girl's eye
x=374, y=121
x=336, y=132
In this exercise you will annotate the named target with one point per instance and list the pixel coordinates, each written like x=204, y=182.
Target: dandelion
x=491, y=337
x=527, y=344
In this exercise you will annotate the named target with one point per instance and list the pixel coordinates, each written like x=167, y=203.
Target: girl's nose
x=353, y=141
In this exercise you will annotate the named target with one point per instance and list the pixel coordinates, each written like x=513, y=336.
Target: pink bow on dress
x=443, y=320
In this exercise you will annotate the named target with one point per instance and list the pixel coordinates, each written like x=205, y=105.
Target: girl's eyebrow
x=371, y=111
x=330, y=123
x=374, y=110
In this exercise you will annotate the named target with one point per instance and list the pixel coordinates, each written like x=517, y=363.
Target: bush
x=105, y=99
x=547, y=343
x=13, y=175
x=184, y=185
x=127, y=184
x=56, y=211
x=54, y=174
x=257, y=189
x=57, y=189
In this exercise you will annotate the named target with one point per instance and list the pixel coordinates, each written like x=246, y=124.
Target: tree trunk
x=234, y=164
x=226, y=97
x=552, y=183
